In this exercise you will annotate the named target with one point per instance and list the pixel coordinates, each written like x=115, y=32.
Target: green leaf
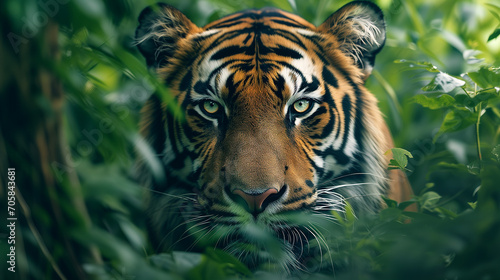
x=180, y=262
x=486, y=77
x=429, y=200
x=470, y=56
x=454, y=40
x=494, y=35
x=457, y=119
x=394, y=165
x=338, y=217
x=494, y=10
x=417, y=65
x=456, y=167
x=390, y=203
x=433, y=103
x=403, y=205
x=486, y=95
x=349, y=213
x=489, y=194
x=494, y=110
x=292, y=4
x=496, y=153
x=400, y=158
x=208, y=269
x=481, y=96
x=390, y=214
x=228, y=260
x=474, y=167
x=446, y=212
x=444, y=82
x=345, y=218
x=464, y=100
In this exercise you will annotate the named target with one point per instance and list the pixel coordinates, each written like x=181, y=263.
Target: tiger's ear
x=160, y=29
x=360, y=29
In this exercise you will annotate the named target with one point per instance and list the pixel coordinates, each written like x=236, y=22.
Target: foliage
x=437, y=80
x=400, y=159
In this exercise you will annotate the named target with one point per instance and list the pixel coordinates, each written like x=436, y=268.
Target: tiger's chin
x=269, y=242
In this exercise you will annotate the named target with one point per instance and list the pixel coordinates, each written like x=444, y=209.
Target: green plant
x=72, y=85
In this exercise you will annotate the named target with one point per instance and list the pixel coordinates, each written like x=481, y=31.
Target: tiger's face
x=276, y=120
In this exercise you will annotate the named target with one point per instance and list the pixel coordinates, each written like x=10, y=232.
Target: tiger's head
x=276, y=120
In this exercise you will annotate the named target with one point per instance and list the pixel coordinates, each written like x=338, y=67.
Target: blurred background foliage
x=72, y=84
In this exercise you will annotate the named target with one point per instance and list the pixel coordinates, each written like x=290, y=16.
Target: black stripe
x=315, y=38
x=289, y=23
x=231, y=21
x=219, y=40
x=312, y=121
x=185, y=84
x=157, y=126
x=309, y=183
x=199, y=39
x=346, y=107
x=309, y=87
x=290, y=36
x=358, y=125
x=279, y=82
x=228, y=24
x=291, y=67
x=222, y=213
x=322, y=57
x=200, y=88
x=319, y=170
x=339, y=156
x=217, y=70
x=315, y=119
x=227, y=51
x=286, y=52
x=267, y=67
x=302, y=197
x=187, y=62
x=276, y=13
x=327, y=129
x=232, y=88
x=171, y=133
x=329, y=78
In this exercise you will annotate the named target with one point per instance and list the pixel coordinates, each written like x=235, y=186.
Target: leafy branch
x=466, y=97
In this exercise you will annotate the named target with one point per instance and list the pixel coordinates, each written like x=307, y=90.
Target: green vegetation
x=72, y=84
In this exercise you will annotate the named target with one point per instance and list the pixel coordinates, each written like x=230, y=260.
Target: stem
x=478, y=141
x=478, y=144
x=466, y=92
x=36, y=234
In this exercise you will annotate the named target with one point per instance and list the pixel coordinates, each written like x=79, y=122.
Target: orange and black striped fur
x=276, y=120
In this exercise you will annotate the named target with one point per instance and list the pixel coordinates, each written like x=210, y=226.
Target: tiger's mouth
x=257, y=202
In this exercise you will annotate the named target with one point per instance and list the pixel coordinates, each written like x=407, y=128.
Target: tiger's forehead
x=265, y=15
x=258, y=47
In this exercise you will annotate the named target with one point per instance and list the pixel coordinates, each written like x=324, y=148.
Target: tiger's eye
x=301, y=106
x=211, y=107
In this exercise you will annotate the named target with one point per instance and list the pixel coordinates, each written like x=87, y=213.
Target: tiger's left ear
x=360, y=30
x=161, y=28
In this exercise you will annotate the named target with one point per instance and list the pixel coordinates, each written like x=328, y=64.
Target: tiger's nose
x=257, y=201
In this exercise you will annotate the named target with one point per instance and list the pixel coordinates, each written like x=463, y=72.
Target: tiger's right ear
x=161, y=28
x=360, y=30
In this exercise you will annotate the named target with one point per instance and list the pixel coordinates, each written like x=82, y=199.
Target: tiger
x=276, y=120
